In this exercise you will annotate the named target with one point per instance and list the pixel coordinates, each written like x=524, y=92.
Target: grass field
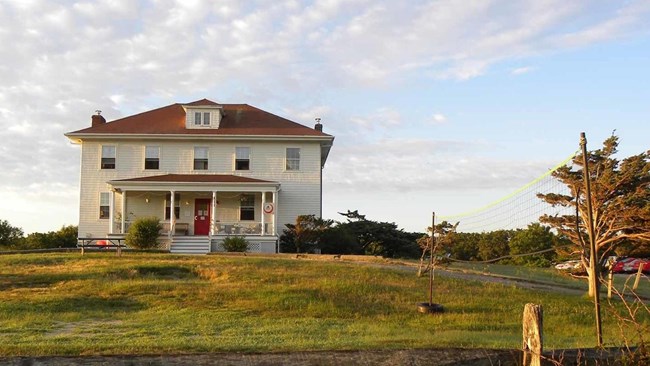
x=622, y=282
x=159, y=303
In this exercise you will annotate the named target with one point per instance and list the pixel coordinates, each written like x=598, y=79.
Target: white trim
x=123, y=224
x=111, y=208
x=213, y=214
x=172, y=214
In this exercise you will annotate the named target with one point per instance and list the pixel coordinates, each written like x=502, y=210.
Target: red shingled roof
x=194, y=178
x=239, y=119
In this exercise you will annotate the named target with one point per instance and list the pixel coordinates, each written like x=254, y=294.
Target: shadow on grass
x=40, y=280
x=86, y=305
x=164, y=272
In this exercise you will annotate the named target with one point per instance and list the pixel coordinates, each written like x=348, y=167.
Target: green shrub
x=143, y=233
x=235, y=244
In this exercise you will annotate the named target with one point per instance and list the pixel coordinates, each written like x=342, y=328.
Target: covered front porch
x=206, y=207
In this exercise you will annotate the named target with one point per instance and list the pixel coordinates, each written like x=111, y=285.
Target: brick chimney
x=318, y=126
x=98, y=119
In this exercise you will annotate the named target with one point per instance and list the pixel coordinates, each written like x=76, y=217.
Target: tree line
x=13, y=238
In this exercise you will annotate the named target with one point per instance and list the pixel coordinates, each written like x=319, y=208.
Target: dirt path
x=518, y=282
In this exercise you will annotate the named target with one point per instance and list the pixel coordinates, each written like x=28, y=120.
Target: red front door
x=201, y=216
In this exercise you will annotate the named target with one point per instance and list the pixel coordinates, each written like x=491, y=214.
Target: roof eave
x=78, y=137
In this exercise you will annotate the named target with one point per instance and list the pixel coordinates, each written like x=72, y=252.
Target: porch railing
x=242, y=228
x=221, y=228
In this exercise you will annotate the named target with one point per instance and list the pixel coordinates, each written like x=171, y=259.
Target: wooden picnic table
x=103, y=243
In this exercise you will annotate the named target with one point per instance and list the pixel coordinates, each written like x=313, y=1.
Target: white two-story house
x=205, y=170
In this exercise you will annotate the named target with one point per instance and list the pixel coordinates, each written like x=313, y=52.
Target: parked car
x=572, y=266
x=631, y=265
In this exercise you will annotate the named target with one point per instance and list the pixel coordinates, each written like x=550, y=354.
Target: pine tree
x=620, y=198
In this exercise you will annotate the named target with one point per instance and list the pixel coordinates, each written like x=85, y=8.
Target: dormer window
x=206, y=116
x=202, y=118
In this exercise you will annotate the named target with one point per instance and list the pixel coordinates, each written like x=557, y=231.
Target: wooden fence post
x=610, y=283
x=638, y=276
x=532, y=327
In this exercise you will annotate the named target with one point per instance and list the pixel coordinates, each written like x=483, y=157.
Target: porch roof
x=200, y=182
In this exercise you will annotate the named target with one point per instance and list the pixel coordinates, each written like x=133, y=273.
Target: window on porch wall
x=247, y=207
x=177, y=205
x=104, y=205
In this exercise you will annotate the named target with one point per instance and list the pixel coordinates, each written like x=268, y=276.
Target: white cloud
x=382, y=118
x=421, y=165
x=438, y=118
x=522, y=70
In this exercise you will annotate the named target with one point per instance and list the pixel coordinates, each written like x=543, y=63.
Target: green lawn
x=160, y=303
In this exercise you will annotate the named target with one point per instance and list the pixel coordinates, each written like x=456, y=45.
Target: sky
x=438, y=106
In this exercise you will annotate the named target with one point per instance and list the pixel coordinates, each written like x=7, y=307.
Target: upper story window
x=247, y=207
x=242, y=158
x=202, y=118
x=200, y=158
x=293, y=158
x=108, y=157
x=104, y=205
x=152, y=157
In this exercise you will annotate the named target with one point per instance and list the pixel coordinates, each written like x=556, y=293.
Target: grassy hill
x=159, y=303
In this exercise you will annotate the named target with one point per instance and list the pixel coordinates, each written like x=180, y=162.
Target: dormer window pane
x=108, y=157
x=197, y=118
x=200, y=158
x=242, y=158
x=152, y=157
x=206, y=118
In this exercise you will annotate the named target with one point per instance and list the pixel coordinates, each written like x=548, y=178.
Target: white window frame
x=250, y=206
x=104, y=201
x=242, y=157
x=197, y=118
x=206, y=119
x=148, y=148
x=207, y=157
x=288, y=160
x=102, y=157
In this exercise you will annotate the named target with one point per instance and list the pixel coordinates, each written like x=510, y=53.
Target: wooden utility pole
x=593, y=255
x=433, y=238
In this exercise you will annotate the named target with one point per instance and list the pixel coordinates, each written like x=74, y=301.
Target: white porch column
x=111, y=208
x=123, y=223
x=263, y=214
x=275, y=211
x=172, y=217
x=213, y=214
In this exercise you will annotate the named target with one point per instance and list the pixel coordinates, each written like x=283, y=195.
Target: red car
x=631, y=265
